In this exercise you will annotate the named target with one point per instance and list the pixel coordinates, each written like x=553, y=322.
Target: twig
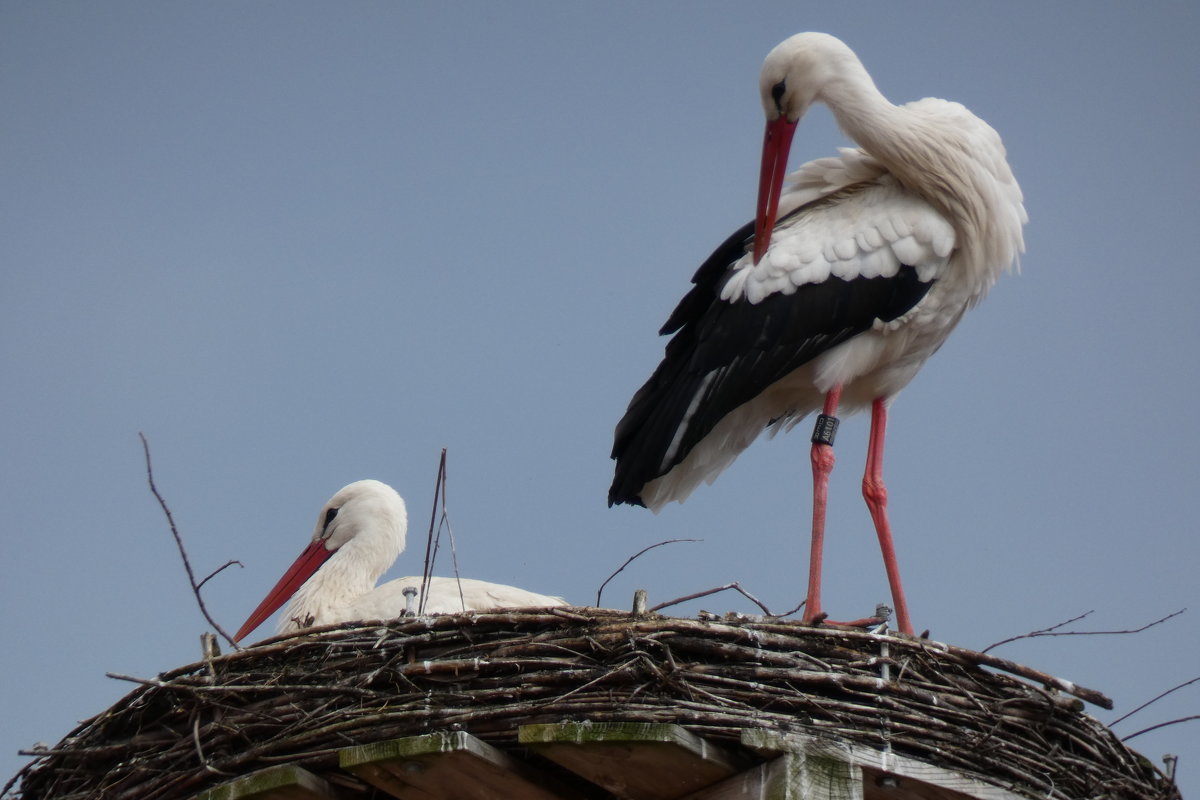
x=1041, y=632
x=735, y=586
x=187, y=565
x=1153, y=700
x=196, y=738
x=490, y=671
x=450, y=532
x=117, y=676
x=1053, y=630
x=20, y=774
x=430, y=544
x=1160, y=725
x=218, y=570
x=794, y=610
x=1082, y=692
x=629, y=561
x=433, y=542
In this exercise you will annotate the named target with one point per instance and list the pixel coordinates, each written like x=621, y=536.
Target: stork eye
x=777, y=92
x=329, y=515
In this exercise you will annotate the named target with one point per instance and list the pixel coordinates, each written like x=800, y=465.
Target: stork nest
x=299, y=699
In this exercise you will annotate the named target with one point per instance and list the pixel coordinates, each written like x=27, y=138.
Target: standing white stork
x=360, y=532
x=837, y=293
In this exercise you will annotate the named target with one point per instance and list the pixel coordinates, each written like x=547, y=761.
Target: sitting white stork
x=359, y=534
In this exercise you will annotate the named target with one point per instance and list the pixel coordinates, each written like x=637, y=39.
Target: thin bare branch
x=794, y=610
x=1053, y=630
x=218, y=570
x=722, y=674
x=196, y=738
x=430, y=543
x=630, y=560
x=187, y=564
x=445, y=520
x=11, y=781
x=1153, y=700
x=119, y=676
x=735, y=586
x=1041, y=632
x=1160, y=725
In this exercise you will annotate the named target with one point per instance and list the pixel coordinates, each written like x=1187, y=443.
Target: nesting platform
x=589, y=703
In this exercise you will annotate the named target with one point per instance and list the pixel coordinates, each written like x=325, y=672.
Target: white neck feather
x=368, y=531
x=942, y=152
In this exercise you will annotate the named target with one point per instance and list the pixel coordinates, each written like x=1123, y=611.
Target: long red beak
x=309, y=562
x=776, y=143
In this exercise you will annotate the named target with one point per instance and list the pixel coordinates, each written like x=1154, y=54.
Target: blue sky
x=299, y=244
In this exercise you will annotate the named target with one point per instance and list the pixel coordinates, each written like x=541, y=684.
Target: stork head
x=795, y=74
x=366, y=520
x=369, y=513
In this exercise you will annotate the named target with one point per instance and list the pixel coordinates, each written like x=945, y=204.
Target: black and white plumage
x=847, y=281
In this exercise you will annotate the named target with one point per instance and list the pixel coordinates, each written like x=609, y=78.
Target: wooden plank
x=640, y=761
x=792, y=776
x=885, y=775
x=284, y=782
x=446, y=765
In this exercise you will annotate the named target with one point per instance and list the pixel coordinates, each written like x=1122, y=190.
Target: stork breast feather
x=868, y=234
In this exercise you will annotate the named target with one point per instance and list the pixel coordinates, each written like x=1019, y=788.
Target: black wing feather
x=746, y=347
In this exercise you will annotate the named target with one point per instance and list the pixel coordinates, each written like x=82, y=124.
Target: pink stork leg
x=822, y=465
x=875, y=493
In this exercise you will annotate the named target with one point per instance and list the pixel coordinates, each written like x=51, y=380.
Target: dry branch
x=300, y=698
x=1152, y=700
x=187, y=564
x=430, y=543
x=1160, y=725
x=734, y=585
x=631, y=559
x=1053, y=630
x=218, y=571
x=433, y=542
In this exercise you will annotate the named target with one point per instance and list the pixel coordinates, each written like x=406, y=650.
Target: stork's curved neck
x=351, y=572
x=859, y=107
x=933, y=148
x=890, y=133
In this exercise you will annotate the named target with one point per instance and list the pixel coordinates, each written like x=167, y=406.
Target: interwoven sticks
x=300, y=699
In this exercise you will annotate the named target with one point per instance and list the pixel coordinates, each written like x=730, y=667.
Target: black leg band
x=825, y=429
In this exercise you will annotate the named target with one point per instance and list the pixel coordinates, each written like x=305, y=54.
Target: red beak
x=309, y=562
x=776, y=143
